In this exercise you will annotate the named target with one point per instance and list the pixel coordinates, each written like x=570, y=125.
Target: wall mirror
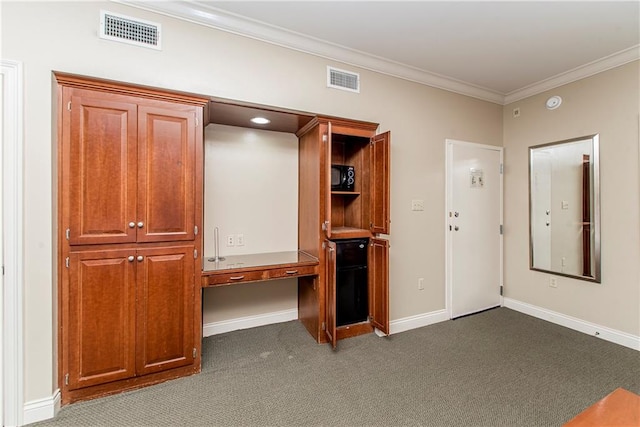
x=564, y=208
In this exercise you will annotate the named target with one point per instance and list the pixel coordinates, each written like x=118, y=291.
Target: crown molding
x=212, y=17
x=202, y=14
x=608, y=62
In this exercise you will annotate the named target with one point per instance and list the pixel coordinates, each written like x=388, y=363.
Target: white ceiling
x=499, y=51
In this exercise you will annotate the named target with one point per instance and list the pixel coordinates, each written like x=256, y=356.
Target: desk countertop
x=257, y=261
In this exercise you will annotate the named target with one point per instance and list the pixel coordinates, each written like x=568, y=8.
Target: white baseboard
x=41, y=409
x=417, y=321
x=216, y=328
x=607, y=334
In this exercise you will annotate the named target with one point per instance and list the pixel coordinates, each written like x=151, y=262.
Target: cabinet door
x=379, y=284
x=330, y=302
x=380, y=186
x=327, y=207
x=165, y=308
x=100, y=317
x=99, y=165
x=166, y=172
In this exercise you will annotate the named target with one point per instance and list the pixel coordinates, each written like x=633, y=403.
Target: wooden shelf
x=349, y=233
x=345, y=193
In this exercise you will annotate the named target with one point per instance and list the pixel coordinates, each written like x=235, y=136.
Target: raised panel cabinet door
x=100, y=318
x=165, y=316
x=380, y=183
x=379, y=284
x=99, y=165
x=330, y=301
x=166, y=171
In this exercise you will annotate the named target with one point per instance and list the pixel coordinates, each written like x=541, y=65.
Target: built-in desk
x=258, y=267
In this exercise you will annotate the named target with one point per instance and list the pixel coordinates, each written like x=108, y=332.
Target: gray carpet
x=497, y=368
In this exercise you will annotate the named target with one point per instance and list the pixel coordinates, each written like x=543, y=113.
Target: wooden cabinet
x=131, y=168
x=130, y=201
x=326, y=216
x=130, y=313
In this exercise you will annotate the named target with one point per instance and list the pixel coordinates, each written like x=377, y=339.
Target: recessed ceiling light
x=553, y=102
x=260, y=120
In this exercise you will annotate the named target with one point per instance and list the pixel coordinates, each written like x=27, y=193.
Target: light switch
x=417, y=205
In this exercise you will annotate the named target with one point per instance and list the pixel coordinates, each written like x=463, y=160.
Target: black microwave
x=343, y=178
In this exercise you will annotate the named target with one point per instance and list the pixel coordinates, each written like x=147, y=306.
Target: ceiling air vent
x=345, y=80
x=129, y=30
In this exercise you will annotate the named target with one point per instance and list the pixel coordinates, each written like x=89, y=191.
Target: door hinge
x=195, y=352
x=195, y=254
x=66, y=262
x=69, y=106
x=195, y=230
x=501, y=290
x=67, y=233
x=501, y=168
x=66, y=379
x=501, y=229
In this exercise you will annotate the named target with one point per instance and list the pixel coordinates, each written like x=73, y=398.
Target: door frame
x=12, y=240
x=449, y=144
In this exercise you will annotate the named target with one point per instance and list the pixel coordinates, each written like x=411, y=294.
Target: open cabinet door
x=380, y=149
x=379, y=284
x=327, y=206
x=330, y=303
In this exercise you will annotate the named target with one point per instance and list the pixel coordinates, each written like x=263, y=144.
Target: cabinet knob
x=140, y=224
x=131, y=257
x=132, y=224
x=140, y=257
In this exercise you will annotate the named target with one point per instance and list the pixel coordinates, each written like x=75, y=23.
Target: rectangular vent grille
x=129, y=30
x=345, y=80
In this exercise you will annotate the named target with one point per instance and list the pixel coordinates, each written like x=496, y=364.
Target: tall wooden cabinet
x=130, y=200
x=326, y=216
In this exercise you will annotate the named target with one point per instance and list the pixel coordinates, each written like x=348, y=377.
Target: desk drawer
x=278, y=273
x=228, y=278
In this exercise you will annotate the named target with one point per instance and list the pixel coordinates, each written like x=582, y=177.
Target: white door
x=474, y=235
x=541, y=214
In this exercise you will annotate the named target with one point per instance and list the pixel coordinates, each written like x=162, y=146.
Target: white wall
x=250, y=188
x=62, y=36
x=607, y=104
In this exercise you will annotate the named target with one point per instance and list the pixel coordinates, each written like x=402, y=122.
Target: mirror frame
x=595, y=221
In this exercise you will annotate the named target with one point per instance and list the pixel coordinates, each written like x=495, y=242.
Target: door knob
x=140, y=224
x=132, y=224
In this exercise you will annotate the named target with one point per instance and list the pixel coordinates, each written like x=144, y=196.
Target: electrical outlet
x=230, y=240
x=417, y=205
x=553, y=282
x=421, y=283
x=240, y=240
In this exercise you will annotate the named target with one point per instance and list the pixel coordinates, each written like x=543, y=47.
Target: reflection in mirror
x=564, y=208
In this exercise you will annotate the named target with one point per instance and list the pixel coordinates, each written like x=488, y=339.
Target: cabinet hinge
x=67, y=233
x=324, y=245
x=195, y=230
x=195, y=352
x=324, y=328
x=501, y=229
x=325, y=225
x=197, y=122
x=324, y=138
x=501, y=168
x=66, y=262
x=195, y=254
x=69, y=106
x=66, y=379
